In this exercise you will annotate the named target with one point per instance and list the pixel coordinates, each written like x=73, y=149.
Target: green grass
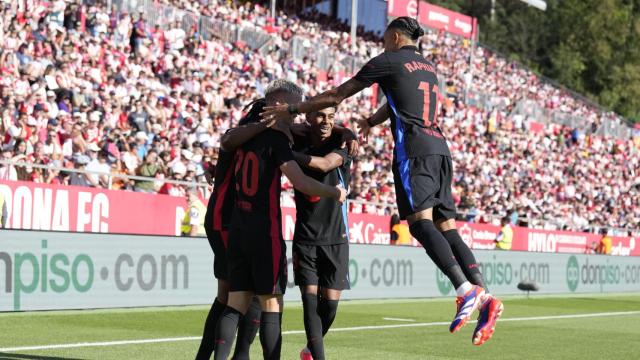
x=607, y=337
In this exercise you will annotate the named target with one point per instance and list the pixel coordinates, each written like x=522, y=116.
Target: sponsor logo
x=548, y=242
x=573, y=273
x=443, y=282
x=39, y=272
x=598, y=271
x=462, y=25
x=438, y=17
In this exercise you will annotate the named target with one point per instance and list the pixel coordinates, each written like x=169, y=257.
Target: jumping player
x=217, y=219
x=256, y=254
x=321, y=240
x=422, y=164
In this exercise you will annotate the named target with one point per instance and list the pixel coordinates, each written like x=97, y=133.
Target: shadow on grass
x=9, y=356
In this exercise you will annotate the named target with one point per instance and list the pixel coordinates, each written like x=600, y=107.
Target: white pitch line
x=398, y=319
x=294, y=332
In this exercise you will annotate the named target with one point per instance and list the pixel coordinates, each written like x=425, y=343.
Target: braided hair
x=408, y=26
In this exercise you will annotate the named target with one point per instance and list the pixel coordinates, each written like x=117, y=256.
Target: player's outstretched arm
x=235, y=137
x=310, y=186
x=320, y=163
x=378, y=118
x=327, y=99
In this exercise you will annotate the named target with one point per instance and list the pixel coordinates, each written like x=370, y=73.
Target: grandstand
x=112, y=110
x=173, y=81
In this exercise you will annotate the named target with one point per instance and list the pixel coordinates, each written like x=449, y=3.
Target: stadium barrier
x=55, y=270
x=46, y=207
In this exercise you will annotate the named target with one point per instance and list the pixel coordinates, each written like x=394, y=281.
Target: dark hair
x=254, y=113
x=407, y=25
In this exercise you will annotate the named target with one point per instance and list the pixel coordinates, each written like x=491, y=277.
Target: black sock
x=208, y=337
x=438, y=250
x=327, y=310
x=249, y=325
x=270, y=335
x=225, y=332
x=313, y=325
x=465, y=258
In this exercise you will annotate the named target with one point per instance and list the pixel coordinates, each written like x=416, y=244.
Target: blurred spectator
x=400, y=234
x=193, y=222
x=604, y=246
x=505, y=236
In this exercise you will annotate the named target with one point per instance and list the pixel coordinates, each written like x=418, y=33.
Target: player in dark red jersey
x=321, y=238
x=256, y=253
x=422, y=164
x=217, y=221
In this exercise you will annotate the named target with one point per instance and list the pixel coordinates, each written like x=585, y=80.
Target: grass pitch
x=536, y=328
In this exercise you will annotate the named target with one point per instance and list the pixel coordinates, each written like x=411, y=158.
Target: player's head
x=322, y=122
x=283, y=92
x=505, y=220
x=401, y=32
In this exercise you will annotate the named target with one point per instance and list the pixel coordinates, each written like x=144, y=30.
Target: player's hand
x=363, y=124
x=351, y=140
x=276, y=112
x=269, y=121
x=342, y=196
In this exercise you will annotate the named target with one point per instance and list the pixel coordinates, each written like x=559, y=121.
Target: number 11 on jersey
x=427, y=90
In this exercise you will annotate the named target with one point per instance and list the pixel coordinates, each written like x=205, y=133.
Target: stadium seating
x=92, y=88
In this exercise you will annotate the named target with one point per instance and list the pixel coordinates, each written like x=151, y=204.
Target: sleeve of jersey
x=374, y=71
x=282, y=152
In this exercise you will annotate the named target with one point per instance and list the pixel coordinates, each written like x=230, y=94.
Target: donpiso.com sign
x=53, y=270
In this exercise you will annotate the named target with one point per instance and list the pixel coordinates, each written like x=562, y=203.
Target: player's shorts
x=257, y=261
x=324, y=265
x=422, y=183
x=218, y=241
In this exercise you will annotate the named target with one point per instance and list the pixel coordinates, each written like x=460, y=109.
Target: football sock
x=271, y=335
x=465, y=258
x=438, y=250
x=313, y=325
x=247, y=330
x=208, y=337
x=463, y=289
x=327, y=310
x=225, y=332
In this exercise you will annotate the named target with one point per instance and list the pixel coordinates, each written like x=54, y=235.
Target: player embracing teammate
x=256, y=249
x=321, y=238
x=422, y=164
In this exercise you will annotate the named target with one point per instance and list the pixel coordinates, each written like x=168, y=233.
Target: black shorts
x=423, y=183
x=257, y=261
x=218, y=242
x=324, y=265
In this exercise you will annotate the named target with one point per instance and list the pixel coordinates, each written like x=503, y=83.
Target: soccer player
x=321, y=238
x=256, y=253
x=422, y=164
x=217, y=219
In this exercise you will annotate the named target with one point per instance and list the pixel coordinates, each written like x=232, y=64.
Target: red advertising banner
x=433, y=16
x=80, y=209
x=397, y=8
x=442, y=19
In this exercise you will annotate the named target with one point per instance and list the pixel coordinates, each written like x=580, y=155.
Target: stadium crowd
x=88, y=87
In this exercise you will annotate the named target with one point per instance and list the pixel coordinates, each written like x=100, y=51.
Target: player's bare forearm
x=380, y=116
x=320, y=163
x=235, y=137
x=305, y=184
x=331, y=97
